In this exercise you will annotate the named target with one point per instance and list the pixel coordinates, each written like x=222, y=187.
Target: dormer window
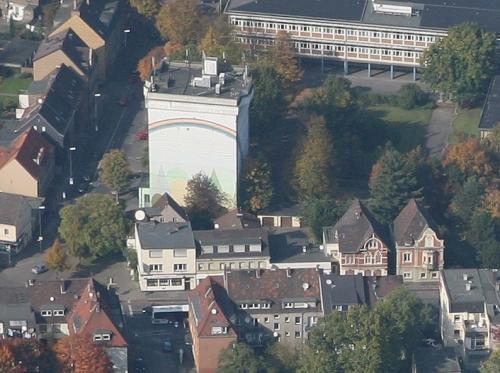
x=288, y=305
x=58, y=313
x=46, y=313
x=243, y=306
x=101, y=336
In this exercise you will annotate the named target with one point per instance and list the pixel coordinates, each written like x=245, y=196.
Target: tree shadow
x=97, y=265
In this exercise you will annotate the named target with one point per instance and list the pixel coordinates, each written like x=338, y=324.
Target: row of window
x=408, y=275
x=52, y=313
x=178, y=253
x=334, y=30
x=297, y=320
x=164, y=282
x=101, y=337
x=232, y=265
x=224, y=249
x=368, y=259
x=427, y=258
x=180, y=267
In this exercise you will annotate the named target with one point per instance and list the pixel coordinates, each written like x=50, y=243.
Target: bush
x=410, y=96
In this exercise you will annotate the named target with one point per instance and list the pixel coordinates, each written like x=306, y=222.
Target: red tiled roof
x=25, y=149
x=207, y=302
x=89, y=315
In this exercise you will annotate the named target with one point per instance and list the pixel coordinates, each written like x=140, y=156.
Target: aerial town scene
x=249, y=186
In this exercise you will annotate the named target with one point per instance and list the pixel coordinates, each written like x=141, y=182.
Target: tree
x=7, y=359
x=241, y=358
x=180, y=21
x=461, y=64
x=268, y=104
x=492, y=365
x=115, y=171
x=483, y=235
x=466, y=200
x=57, y=258
x=94, y=225
x=145, y=65
x=78, y=354
x=34, y=357
x=257, y=188
x=321, y=212
x=469, y=157
x=204, y=201
x=147, y=8
x=410, y=95
x=282, y=57
x=218, y=42
x=392, y=185
x=492, y=202
x=313, y=168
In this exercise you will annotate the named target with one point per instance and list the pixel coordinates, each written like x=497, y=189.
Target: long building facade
x=381, y=32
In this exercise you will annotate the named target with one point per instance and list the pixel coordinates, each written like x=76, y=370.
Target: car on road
x=167, y=345
x=39, y=268
x=142, y=135
x=123, y=101
x=140, y=365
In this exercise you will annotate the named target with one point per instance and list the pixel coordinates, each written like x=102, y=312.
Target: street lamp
x=71, y=149
x=95, y=111
x=126, y=32
x=40, y=237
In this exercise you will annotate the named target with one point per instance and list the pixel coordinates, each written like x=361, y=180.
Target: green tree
x=268, y=104
x=314, y=164
x=492, y=365
x=257, y=188
x=321, y=212
x=93, y=225
x=466, y=200
x=484, y=235
x=218, y=42
x=392, y=185
x=57, y=258
x=204, y=201
x=147, y=8
x=115, y=171
x=282, y=57
x=241, y=358
x=461, y=64
x=410, y=96
x=180, y=21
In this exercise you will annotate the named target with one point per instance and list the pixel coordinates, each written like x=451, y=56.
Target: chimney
x=88, y=2
x=468, y=286
x=63, y=287
x=31, y=282
x=90, y=56
x=466, y=276
x=288, y=272
x=257, y=273
x=74, y=4
x=304, y=249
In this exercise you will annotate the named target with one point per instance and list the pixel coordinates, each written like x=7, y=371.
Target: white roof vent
x=51, y=299
x=213, y=311
x=466, y=276
x=305, y=286
x=210, y=66
x=140, y=215
x=398, y=10
x=328, y=281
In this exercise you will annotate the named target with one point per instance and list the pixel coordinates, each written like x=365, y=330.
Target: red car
x=142, y=135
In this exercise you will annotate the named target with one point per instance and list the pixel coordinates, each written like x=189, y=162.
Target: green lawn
x=406, y=129
x=465, y=123
x=13, y=84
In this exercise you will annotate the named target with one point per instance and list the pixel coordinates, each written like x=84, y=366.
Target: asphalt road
x=439, y=129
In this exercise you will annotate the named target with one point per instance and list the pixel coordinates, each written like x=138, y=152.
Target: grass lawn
x=13, y=84
x=406, y=129
x=465, y=123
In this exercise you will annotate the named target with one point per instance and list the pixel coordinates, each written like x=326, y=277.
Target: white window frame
x=407, y=257
x=180, y=267
x=46, y=313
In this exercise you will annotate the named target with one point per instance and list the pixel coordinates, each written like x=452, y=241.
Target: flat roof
x=177, y=78
x=490, y=116
x=462, y=300
x=434, y=14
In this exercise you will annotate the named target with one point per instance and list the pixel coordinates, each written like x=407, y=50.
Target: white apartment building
x=470, y=312
x=198, y=121
x=382, y=32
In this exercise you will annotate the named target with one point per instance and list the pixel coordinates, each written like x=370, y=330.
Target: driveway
x=439, y=129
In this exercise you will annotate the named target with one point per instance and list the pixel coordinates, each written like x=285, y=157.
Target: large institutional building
x=197, y=122
x=382, y=32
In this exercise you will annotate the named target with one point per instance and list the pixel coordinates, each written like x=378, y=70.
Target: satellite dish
x=140, y=215
x=52, y=299
x=214, y=311
x=328, y=281
x=275, y=334
x=305, y=286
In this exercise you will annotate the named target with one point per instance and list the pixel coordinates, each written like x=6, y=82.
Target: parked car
x=39, y=268
x=142, y=135
x=140, y=365
x=167, y=345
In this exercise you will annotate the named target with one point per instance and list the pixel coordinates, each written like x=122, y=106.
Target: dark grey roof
x=10, y=129
x=411, y=222
x=163, y=202
x=461, y=299
x=17, y=52
x=68, y=42
x=61, y=100
x=353, y=229
x=287, y=246
x=176, y=79
x=237, y=219
x=435, y=14
x=490, y=117
x=351, y=10
x=345, y=290
x=12, y=206
x=153, y=235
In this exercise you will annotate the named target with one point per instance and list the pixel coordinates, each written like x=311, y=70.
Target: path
x=439, y=129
